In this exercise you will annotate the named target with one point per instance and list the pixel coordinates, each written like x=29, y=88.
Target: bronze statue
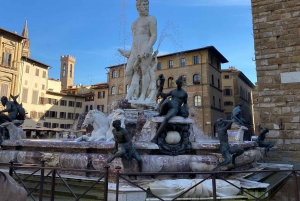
x=261, y=138
x=237, y=115
x=13, y=108
x=122, y=138
x=170, y=108
x=225, y=148
x=15, y=112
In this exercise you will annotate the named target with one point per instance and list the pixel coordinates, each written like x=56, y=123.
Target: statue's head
x=116, y=123
x=143, y=7
x=240, y=104
x=179, y=81
x=219, y=121
x=4, y=100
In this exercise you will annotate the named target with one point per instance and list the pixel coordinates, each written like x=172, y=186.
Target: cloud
x=199, y=3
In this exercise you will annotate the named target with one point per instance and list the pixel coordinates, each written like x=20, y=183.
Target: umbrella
x=43, y=129
x=57, y=129
x=81, y=130
x=27, y=128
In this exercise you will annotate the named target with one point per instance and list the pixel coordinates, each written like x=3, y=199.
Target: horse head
x=89, y=119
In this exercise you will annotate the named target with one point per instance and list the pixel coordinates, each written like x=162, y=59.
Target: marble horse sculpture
x=100, y=123
x=15, y=132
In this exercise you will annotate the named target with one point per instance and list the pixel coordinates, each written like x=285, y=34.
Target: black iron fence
x=55, y=173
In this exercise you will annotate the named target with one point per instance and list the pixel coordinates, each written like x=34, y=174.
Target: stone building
x=11, y=51
x=277, y=53
x=34, y=84
x=237, y=88
x=201, y=69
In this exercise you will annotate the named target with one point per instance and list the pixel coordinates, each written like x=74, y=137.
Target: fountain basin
x=204, y=155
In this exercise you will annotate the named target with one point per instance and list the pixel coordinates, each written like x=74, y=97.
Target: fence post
x=42, y=180
x=53, y=185
x=296, y=185
x=117, y=170
x=213, y=180
x=106, y=182
x=11, y=167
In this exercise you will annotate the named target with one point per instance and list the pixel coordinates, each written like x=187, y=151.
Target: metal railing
x=55, y=173
x=213, y=176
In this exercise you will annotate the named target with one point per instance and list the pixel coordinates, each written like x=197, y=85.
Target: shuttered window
x=24, y=95
x=35, y=97
x=4, y=89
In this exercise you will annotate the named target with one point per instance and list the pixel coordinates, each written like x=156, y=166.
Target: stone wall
x=276, y=26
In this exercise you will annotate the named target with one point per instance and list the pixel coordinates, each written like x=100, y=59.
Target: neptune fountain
x=167, y=141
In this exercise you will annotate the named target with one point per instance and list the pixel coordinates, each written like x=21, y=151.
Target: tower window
x=64, y=70
x=71, y=70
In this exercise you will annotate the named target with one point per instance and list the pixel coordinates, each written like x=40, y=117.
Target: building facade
x=276, y=40
x=237, y=88
x=11, y=51
x=201, y=70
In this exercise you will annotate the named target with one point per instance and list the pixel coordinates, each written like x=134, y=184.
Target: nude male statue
x=237, y=115
x=170, y=108
x=126, y=150
x=261, y=140
x=225, y=148
x=144, y=32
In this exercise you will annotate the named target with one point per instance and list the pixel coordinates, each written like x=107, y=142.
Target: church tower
x=26, y=43
x=67, y=71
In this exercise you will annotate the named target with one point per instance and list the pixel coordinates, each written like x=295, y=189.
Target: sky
x=93, y=30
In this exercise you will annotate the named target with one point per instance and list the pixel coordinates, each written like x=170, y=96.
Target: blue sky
x=92, y=31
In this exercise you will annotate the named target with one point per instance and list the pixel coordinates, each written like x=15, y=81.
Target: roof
x=35, y=61
x=240, y=75
x=103, y=85
x=12, y=33
x=246, y=80
x=210, y=48
x=63, y=94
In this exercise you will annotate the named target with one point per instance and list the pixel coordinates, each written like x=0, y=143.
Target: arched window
x=113, y=90
x=114, y=74
x=86, y=108
x=197, y=101
x=196, y=79
x=213, y=101
x=120, y=89
x=71, y=70
x=64, y=70
x=170, y=82
x=219, y=85
x=91, y=107
x=212, y=80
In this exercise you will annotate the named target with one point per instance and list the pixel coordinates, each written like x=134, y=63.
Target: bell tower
x=67, y=65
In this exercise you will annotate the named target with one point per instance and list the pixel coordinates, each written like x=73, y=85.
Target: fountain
x=169, y=144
